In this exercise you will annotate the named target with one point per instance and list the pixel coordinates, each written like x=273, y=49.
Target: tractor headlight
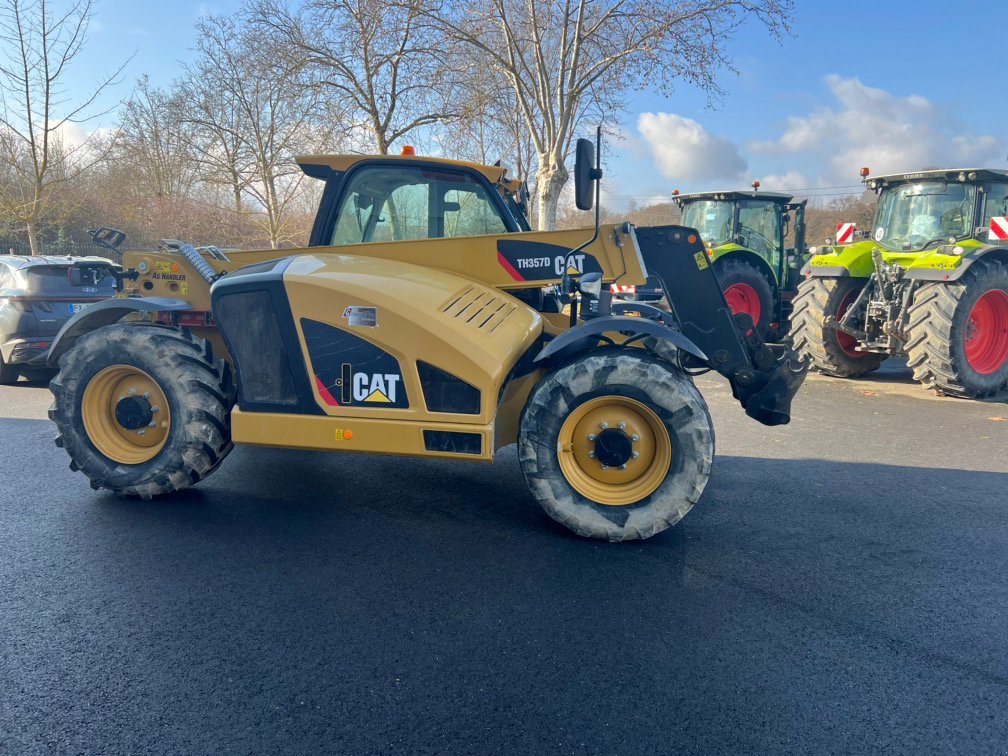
x=823, y=250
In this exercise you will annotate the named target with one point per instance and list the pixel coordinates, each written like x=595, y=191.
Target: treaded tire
x=936, y=330
x=667, y=392
x=739, y=272
x=8, y=374
x=200, y=395
x=815, y=299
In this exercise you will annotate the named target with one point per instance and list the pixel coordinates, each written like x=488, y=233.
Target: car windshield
x=918, y=216
x=55, y=281
x=713, y=219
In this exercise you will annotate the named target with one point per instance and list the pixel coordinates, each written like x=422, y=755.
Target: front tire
x=616, y=446
x=958, y=332
x=143, y=410
x=8, y=373
x=828, y=350
x=747, y=290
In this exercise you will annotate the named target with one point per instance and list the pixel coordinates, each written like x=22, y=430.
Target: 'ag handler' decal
x=350, y=371
x=538, y=261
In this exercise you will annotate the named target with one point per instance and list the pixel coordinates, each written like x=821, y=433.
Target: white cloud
x=685, y=150
x=888, y=132
x=785, y=182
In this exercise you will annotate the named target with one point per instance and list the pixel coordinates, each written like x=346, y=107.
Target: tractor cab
x=756, y=241
x=921, y=211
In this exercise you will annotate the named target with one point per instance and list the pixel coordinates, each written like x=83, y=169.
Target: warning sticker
x=701, y=260
x=365, y=317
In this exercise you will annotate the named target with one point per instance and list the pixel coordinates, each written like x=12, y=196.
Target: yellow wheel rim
x=126, y=414
x=614, y=450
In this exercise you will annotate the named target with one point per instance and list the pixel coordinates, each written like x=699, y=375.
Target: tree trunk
x=550, y=181
x=33, y=238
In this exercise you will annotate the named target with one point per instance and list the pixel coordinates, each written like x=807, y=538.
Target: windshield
x=712, y=219
x=912, y=217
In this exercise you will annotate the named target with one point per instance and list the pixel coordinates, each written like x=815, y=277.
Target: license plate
x=78, y=307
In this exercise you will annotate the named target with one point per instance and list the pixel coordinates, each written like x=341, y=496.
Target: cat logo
x=368, y=388
x=379, y=387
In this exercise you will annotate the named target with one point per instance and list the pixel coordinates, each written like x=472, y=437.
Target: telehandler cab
x=417, y=323
x=930, y=282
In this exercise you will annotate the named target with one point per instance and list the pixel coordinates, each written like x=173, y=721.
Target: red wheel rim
x=845, y=341
x=743, y=298
x=986, y=335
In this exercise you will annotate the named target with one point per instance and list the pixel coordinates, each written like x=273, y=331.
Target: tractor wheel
x=143, y=410
x=828, y=350
x=747, y=290
x=958, y=332
x=8, y=373
x=616, y=446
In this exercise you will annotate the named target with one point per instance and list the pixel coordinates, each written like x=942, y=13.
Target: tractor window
x=913, y=217
x=997, y=205
x=712, y=219
x=759, y=229
x=403, y=203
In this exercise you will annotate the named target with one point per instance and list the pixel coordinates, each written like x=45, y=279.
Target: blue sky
x=891, y=84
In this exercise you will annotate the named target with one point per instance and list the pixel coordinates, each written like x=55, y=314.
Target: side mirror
x=584, y=171
x=590, y=284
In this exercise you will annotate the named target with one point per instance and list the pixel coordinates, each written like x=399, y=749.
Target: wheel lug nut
x=623, y=466
x=141, y=432
x=151, y=424
x=603, y=425
x=591, y=436
x=605, y=467
x=622, y=426
x=635, y=437
x=131, y=392
x=591, y=455
x=636, y=455
x=155, y=409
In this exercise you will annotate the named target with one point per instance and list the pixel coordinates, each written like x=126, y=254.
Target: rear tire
x=8, y=373
x=747, y=290
x=958, y=332
x=100, y=415
x=829, y=351
x=666, y=424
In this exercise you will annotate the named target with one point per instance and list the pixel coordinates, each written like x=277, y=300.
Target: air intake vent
x=481, y=308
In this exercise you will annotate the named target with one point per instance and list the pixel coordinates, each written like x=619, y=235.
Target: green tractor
x=746, y=233
x=930, y=282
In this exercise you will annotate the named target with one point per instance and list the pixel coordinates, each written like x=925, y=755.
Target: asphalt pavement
x=842, y=586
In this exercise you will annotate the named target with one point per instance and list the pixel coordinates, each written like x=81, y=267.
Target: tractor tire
x=829, y=351
x=143, y=410
x=747, y=290
x=8, y=373
x=606, y=480
x=957, y=333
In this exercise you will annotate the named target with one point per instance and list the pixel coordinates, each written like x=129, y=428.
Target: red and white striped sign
x=998, y=228
x=623, y=289
x=845, y=232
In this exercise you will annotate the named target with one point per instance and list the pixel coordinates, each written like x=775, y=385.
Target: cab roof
x=495, y=174
x=735, y=194
x=947, y=174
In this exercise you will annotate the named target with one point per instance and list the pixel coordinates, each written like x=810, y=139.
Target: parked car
x=37, y=296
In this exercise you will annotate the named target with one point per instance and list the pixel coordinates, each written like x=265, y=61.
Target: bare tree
x=276, y=115
x=373, y=55
x=158, y=142
x=39, y=46
x=568, y=61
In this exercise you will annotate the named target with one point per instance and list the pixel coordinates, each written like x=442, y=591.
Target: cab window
x=404, y=203
x=997, y=204
x=759, y=227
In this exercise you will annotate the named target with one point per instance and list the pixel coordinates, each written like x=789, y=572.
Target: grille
x=481, y=308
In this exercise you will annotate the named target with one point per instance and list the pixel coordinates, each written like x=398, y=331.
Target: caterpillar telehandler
x=930, y=281
x=746, y=234
x=420, y=322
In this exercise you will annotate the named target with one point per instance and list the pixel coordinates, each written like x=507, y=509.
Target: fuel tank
x=406, y=358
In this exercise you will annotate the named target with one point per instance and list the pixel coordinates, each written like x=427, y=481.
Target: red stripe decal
x=509, y=268
x=324, y=393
